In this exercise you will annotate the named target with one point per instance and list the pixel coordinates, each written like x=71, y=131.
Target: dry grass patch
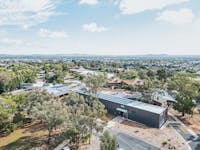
x=32, y=135
x=191, y=121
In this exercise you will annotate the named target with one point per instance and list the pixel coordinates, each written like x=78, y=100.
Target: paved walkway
x=114, y=121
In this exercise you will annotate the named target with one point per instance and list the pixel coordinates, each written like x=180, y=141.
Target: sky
x=119, y=27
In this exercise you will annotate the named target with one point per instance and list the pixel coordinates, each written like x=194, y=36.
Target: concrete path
x=114, y=121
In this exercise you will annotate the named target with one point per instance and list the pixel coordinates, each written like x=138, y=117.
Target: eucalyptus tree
x=7, y=110
x=83, y=116
x=95, y=82
x=184, y=105
x=108, y=142
x=52, y=113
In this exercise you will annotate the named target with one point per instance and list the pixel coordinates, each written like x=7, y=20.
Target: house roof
x=63, y=89
x=162, y=96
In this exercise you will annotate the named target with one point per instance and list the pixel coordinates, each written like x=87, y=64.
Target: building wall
x=144, y=117
x=163, y=118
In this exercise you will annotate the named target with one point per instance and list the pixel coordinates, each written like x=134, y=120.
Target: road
x=127, y=142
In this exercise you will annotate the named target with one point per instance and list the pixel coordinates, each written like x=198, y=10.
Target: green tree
x=95, y=82
x=184, y=105
x=184, y=85
x=108, y=142
x=20, y=113
x=151, y=74
x=7, y=109
x=36, y=97
x=83, y=116
x=128, y=74
x=162, y=74
x=51, y=113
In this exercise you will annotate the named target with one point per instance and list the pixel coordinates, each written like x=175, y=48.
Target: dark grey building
x=150, y=115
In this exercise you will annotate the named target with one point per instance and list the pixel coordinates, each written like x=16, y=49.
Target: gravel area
x=166, y=138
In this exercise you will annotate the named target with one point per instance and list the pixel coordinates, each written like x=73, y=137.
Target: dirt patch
x=109, y=117
x=134, y=124
x=191, y=121
x=166, y=138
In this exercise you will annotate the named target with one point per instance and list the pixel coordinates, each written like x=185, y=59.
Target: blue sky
x=100, y=26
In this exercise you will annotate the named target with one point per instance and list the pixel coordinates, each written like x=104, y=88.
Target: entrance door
x=121, y=114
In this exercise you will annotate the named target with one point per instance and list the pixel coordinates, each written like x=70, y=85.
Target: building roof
x=128, y=102
x=63, y=89
x=83, y=71
x=136, y=95
x=162, y=96
x=58, y=90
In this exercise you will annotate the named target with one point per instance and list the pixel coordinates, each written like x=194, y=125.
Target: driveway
x=127, y=142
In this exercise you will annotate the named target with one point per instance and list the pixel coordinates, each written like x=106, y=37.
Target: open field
x=31, y=136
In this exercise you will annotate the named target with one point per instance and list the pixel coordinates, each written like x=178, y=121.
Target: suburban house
x=162, y=98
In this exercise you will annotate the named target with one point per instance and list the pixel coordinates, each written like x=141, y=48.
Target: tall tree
x=162, y=74
x=108, y=142
x=37, y=97
x=84, y=114
x=7, y=109
x=184, y=85
x=51, y=113
x=95, y=82
x=184, y=105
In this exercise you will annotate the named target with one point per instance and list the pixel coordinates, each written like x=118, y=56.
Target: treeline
x=11, y=78
x=73, y=117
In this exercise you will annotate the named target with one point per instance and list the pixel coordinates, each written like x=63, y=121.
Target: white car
x=66, y=148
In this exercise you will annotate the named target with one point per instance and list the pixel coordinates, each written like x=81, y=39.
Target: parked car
x=66, y=148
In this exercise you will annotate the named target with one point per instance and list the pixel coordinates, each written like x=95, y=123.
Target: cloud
x=89, y=2
x=45, y=33
x=138, y=6
x=7, y=41
x=26, y=13
x=93, y=27
x=181, y=16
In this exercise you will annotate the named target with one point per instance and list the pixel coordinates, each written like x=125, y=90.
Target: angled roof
x=162, y=96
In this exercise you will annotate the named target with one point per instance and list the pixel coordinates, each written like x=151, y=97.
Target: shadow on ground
x=25, y=143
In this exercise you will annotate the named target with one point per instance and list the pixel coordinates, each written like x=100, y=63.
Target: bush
x=7, y=127
x=18, y=119
x=164, y=143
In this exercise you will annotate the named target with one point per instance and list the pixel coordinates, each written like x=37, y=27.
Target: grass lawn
x=24, y=139
x=12, y=137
